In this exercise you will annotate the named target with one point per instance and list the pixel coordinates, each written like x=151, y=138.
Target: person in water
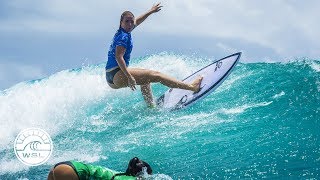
x=74, y=170
x=119, y=75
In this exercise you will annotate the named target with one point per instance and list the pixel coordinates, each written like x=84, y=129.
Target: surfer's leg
x=147, y=94
x=63, y=172
x=145, y=76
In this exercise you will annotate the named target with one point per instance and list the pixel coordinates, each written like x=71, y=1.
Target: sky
x=42, y=37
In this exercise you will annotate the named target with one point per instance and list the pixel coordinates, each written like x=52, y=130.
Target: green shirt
x=87, y=172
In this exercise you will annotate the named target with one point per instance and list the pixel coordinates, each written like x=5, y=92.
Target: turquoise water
x=262, y=122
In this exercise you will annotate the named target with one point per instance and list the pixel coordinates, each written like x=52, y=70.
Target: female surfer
x=74, y=170
x=119, y=75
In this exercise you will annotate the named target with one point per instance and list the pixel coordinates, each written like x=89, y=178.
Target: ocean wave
x=90, y=122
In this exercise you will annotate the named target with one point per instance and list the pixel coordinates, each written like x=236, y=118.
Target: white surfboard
x=213, y=75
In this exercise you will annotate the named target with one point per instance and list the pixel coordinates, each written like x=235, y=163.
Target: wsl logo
x=33, y=146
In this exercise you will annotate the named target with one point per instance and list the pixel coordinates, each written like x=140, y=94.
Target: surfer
x=75, y=170
x=119, y=75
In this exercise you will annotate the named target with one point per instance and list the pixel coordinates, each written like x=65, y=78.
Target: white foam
x=173, y=65
x=11, y=166
x=95, y=123
x=315, y=65
x=279, y=95
x=174, y=129
x=241, y=109
x=50, y=104
x=318, y=85
x=185, y=121
x=188, y=123
x=157, y=177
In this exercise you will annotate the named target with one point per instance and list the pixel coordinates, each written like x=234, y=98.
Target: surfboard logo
x=33, y=146
x=182, y=101
x=218, y=65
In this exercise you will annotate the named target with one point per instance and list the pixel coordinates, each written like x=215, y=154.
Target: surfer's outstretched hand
x=156, y=8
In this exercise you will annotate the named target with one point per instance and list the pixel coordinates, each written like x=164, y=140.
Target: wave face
x=262, y=122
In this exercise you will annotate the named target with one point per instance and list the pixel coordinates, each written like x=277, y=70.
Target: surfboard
x=213, y=75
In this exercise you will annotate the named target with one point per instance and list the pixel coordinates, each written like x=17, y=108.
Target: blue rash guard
x=121, y=38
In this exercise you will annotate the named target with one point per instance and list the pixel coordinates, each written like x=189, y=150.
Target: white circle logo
x=33, y=146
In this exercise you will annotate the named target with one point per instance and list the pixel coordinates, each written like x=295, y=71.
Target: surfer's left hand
x=156, y=8
x=132, y=83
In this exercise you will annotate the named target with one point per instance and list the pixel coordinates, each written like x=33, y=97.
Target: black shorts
x=110, y=75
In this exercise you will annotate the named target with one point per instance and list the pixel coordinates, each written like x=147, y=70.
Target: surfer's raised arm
x=155, y=8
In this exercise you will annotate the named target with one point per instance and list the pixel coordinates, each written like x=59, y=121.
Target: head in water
x=136, y=166
x=127, y=21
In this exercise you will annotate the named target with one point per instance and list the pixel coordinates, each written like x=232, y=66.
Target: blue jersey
x=121, y=38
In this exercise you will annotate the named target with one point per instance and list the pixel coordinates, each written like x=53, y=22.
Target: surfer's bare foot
x=196, y=84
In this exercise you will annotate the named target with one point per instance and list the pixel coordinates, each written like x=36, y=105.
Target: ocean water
x=262, y=122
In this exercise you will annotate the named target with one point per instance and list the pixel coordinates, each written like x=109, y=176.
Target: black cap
x=136, y=165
